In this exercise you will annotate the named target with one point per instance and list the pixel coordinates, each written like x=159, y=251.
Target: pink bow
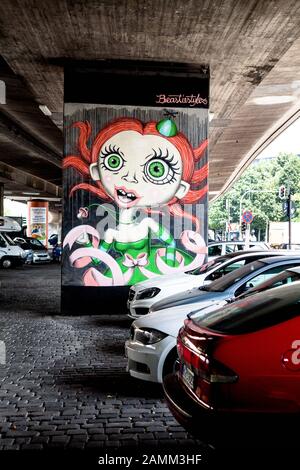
x=130, y=262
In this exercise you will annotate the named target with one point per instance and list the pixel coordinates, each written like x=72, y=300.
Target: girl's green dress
x=145, y=245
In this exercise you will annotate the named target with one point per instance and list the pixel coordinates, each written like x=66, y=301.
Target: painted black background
x=134, y=83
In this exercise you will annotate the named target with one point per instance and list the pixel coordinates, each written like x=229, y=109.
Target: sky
x=15, y=208
x=288, y=142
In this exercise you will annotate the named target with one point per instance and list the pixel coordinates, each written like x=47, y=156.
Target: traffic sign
x=247, y=217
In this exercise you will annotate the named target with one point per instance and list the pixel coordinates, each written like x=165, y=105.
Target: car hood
x=163, y=281
x=192, y=296
x=170, y=320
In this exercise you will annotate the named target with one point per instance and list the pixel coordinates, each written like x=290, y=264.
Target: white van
x=10, y=253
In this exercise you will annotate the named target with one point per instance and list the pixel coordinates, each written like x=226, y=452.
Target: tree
x=263, y=179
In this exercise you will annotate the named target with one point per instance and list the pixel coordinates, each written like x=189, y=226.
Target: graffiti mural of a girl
x=137, y=166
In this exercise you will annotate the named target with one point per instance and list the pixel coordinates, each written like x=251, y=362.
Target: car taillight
x=206, y=375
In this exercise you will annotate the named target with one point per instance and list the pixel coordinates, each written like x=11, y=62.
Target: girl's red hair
x=189, y=157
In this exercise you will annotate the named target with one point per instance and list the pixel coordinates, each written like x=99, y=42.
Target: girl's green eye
x=157, y=169
x=113, y=162
x=161, y=168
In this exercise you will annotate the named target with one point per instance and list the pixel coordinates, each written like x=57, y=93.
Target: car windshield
x=8, y=239
x=35, y=244
x=220, y=285
x=25, y=246
x=253, y=313
x=208, y=266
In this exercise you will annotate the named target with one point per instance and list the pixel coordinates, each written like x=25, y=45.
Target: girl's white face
x=140, y=170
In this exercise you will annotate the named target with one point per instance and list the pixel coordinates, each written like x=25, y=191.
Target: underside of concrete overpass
x=252, y=48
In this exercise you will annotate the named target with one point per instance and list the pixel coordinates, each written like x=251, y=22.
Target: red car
x=239, y=367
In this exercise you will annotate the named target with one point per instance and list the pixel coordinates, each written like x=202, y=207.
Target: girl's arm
x=104, y=245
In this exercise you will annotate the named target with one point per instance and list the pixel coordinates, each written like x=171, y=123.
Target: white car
x=144, y=294
x=221, y=248
x=151, y=350
x=10, y=254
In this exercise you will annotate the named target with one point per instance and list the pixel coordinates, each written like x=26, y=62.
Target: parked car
x=230, y=286
x=224, y=247
x=151, y=349
x=29, y=253
x=239, y=368
x=11, y=255
x=144, y=295
x=40, y=253
x=26, y=248
x=285, y=246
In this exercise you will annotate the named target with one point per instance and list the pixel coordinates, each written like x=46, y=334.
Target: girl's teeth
x=125, y=199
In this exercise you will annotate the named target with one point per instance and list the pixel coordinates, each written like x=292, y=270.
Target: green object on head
x=167, y=127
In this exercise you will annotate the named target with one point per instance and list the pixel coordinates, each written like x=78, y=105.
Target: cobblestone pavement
x=64, y=383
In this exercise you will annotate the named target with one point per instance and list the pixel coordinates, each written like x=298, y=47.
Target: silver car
x=230, y=286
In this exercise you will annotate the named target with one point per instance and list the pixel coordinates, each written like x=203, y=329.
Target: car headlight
x=148, y=293
x=148, y=335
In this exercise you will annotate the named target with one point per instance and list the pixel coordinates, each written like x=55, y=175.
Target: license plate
x=188, y=377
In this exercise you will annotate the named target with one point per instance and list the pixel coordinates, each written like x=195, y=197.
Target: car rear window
x=285, y=277
x=254, y=313
x=215, y=250
x=207, y=266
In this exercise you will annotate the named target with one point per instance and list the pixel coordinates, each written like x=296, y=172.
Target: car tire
x=6, y=263
x=169, y=365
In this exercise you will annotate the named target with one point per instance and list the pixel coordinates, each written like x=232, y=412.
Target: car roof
x=235, y=242
x=281, y=291
x=295, y=269
x=246, y=253
x=284, y=294
x=276, y=259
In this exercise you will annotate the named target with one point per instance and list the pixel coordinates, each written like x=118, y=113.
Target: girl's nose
x=130, y=178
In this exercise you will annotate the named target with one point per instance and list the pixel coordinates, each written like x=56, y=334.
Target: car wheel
x=169, y=365
x=5, y=263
